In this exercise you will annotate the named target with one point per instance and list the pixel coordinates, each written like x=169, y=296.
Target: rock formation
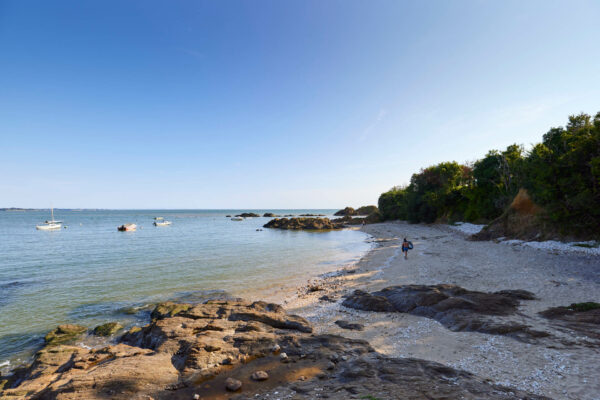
x=456, y=308
x=581, y=318
x=235, y=348
x=248, y=215
x=303, y=224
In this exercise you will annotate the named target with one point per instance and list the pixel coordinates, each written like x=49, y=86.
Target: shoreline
x=443, y=255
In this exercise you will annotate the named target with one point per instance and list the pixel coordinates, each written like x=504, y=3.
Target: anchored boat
x=50, y=225
x=127, y=227
x=161, y=222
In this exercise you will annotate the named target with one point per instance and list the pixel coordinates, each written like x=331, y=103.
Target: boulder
x=233, y=385
x=107, y=329
x=350, y=326
x=270, y=215
x=259, y=376
x=64, y=334
x=248, y=215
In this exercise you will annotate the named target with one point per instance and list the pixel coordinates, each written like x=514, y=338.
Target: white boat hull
x=164, y=223
x=237, y=219
x=48, y=227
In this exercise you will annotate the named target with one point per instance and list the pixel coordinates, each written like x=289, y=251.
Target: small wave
x=4, y=364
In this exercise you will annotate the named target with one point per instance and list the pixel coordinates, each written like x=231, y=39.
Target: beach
x=322, y=344
x=444, y=255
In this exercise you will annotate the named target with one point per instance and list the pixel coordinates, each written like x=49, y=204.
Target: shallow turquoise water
x=89, y=273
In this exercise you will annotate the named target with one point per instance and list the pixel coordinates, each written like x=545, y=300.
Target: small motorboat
x=127, y=227
x=237, y=219
x=158, y=218
x=161, y=222
x=49, y=225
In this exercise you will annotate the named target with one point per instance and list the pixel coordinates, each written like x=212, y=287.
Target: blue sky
x=275, y=104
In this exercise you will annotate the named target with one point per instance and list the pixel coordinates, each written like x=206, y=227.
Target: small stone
x=232, y=385
x=321, y=375
x=196, y=397
x=344, y=358
x=330, y=365
x=302, y=378
x=283, y=357
x=275, y=348
x=227, y=361
x=259, y=376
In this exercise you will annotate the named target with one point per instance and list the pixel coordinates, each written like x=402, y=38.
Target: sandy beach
x=562, y=368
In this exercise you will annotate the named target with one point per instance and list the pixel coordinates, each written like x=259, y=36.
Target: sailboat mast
x=52, y=213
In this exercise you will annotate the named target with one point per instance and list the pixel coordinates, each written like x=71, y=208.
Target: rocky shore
x=458, y=319
x=235, y=349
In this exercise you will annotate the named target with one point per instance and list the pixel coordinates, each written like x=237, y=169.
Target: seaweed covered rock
x=248, y=215
x=107, y=329
x=64, y=334
x=168, y=309
x=303, y=224
x=270, y=215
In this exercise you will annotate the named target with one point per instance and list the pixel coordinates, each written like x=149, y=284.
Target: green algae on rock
x=107, y=329
x=63, y=334
x=168, y=309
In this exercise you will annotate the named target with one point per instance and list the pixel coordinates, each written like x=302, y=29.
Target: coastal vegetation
x=559, y=182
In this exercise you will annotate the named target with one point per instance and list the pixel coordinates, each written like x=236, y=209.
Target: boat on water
x=161, y=222
x=51, y=224
x=237, y=219
x=158, y=218
x=127, y=227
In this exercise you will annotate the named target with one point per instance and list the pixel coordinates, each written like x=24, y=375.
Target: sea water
x=89, y=273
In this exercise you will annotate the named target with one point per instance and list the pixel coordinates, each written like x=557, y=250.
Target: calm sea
x=90, y=273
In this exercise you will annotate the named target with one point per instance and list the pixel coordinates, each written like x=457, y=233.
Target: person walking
x=406, y=246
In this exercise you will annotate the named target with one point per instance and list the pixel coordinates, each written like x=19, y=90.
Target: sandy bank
x=442, y=255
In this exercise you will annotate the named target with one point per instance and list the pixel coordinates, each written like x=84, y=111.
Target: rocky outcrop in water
x=303, y=224
x=456, y=308
x=255, y=349
x=248, y=215
x=270, y=215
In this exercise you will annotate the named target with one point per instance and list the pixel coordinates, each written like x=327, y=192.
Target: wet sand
x=442, y=255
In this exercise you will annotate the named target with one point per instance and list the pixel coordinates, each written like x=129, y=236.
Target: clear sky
x=275, y=104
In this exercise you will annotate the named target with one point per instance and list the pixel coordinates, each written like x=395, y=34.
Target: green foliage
x=562, y=174
x=392, y=204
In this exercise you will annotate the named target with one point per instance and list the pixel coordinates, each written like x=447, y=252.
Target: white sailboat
x=51, y=224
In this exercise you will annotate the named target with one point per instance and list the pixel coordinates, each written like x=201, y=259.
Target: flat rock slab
x=456, y=308
x=581, y=321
